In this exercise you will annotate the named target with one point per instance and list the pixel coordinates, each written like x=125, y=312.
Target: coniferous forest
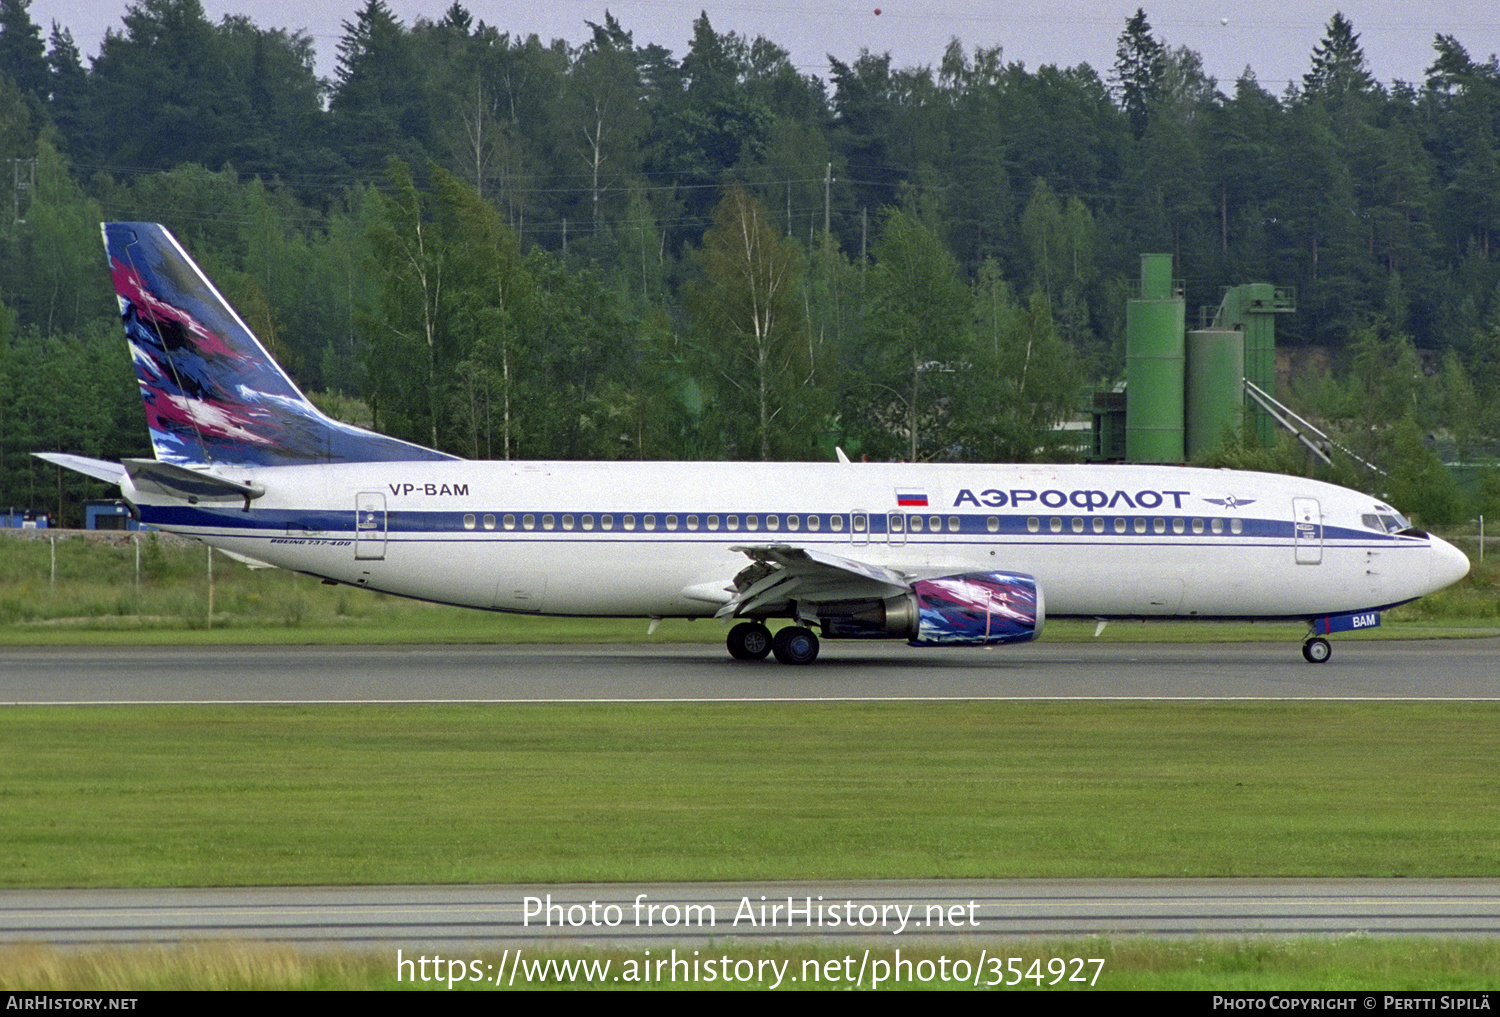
x=507, y=247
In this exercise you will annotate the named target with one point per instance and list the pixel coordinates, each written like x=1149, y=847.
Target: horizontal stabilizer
x=110, y=473
x=181, y=482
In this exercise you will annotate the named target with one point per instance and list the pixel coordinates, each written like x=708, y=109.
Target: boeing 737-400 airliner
x=939, y=555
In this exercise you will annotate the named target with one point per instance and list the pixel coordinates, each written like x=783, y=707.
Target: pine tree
x=68, y=86
x=21, y=57
x=1140, y=71
x=377, y=107
x=1338, y=63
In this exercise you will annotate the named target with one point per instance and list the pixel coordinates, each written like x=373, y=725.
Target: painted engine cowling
x=978, y=609
x=971, y=609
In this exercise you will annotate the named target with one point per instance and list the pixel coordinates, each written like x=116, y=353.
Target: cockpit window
x=1385, y=520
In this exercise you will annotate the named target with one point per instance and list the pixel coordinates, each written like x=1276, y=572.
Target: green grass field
x=274, y=795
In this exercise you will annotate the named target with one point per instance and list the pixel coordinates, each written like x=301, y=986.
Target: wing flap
x=780, y=573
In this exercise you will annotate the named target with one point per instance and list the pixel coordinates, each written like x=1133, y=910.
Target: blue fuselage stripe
x=555, y=525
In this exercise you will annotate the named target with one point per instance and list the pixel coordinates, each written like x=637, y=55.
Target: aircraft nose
x=1449, y=564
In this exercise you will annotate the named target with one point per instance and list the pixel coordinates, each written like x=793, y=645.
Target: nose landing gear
x=1317, y=650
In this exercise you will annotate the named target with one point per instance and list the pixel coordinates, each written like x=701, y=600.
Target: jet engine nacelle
x=971, y=609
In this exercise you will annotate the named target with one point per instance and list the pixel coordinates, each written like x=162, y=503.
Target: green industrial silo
x=1154, y=337
x=1215, y=371
x=1252, y=308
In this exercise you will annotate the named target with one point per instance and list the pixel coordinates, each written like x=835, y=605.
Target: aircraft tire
x=795, y=645
x=1317, y=651
x=749, y=641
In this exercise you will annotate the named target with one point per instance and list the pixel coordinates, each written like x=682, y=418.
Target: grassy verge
x=95, y=593
x=1353, y=963
x=207, y=796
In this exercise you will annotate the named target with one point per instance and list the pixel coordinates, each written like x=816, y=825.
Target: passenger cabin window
x=1217, y=525
x=1177, y=526
x=489, y=521
x=1077, y=525
x=1197, y=526
x=528, y=522
x=732, y=522
x=607, y=522
x=468, y=520
x=836, y=523
x=771, y=522
x=1236, y=526
x=791, y=522
x=509, y=522
x=751, y=522
x=1033, y=524
x=992, y=523
x=1119, y=525
x=629, y=522
x=671, y=523
x=649, y=521
x=1098, y=525
x=588, y=522
x=548, y=522
x=953, y=524
x=1140, y=526
x=916, y=524
x=813, y=523
x=567, y=522
x=1055, y=524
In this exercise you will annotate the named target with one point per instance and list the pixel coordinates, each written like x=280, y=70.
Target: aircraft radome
x=939, y=555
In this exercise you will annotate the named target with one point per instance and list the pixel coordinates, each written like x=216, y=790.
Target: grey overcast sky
x=1272, y=37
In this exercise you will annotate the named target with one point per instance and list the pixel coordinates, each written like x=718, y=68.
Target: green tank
x=1154, y=357
x=1215, y=367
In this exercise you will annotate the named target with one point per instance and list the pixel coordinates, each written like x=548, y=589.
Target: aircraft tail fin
x=213, y=394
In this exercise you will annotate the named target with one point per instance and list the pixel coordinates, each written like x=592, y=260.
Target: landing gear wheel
x=749, y=641
x=1316, y=651
x=795, y=645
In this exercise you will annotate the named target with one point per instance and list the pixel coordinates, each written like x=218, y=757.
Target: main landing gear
x=753, y=641
x=1317, y=650
x=749, y=641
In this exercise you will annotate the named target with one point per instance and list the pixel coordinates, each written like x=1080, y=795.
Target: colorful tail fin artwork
x=213, y=394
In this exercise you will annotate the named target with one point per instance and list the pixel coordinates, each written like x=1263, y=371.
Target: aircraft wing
x=780, y=572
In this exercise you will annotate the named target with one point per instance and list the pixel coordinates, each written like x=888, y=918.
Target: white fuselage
x=658, y=538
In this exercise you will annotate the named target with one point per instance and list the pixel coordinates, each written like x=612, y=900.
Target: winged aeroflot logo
x=1230, y=502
